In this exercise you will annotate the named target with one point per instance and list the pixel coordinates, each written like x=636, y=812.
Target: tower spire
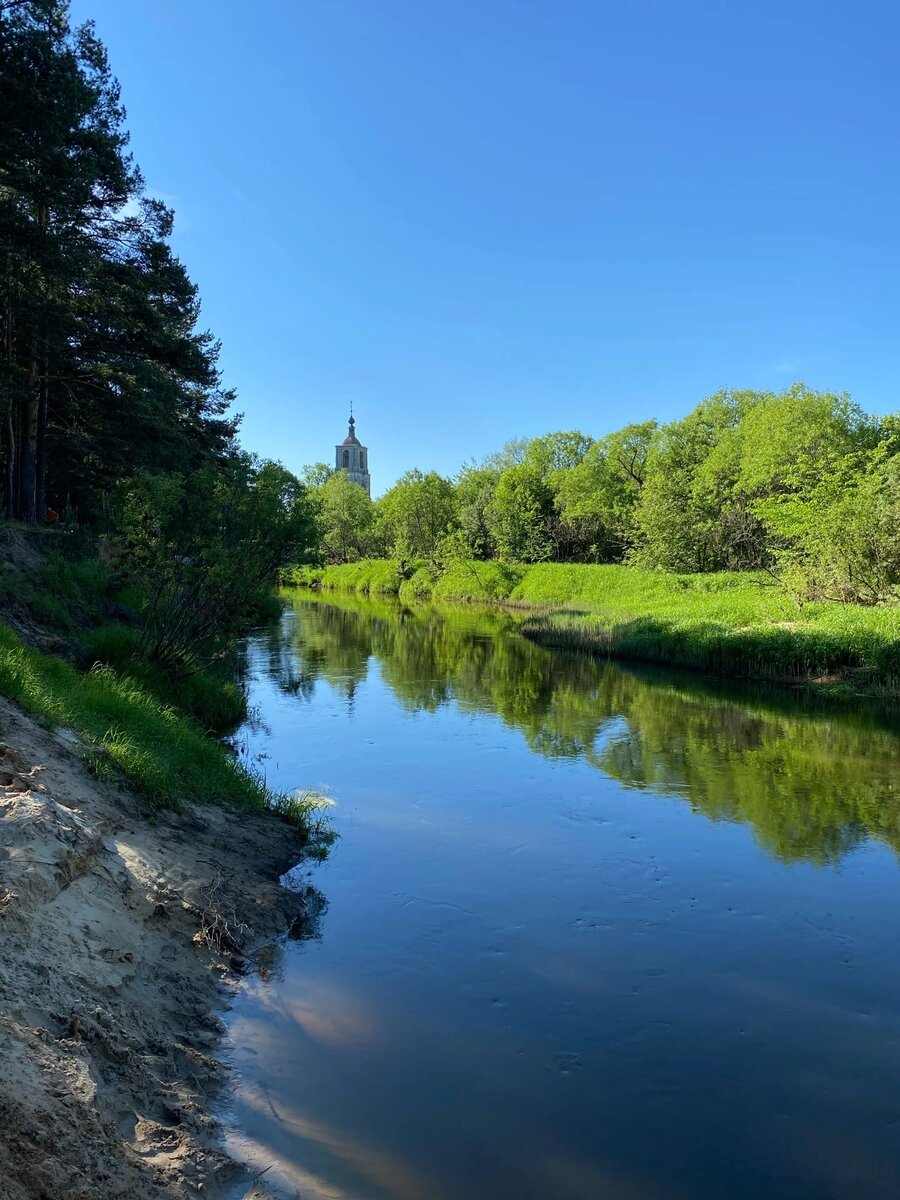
x=351, y=455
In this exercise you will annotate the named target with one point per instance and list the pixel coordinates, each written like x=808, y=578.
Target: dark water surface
x=591, y=933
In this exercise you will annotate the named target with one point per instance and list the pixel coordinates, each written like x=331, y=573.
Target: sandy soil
x=120, y=940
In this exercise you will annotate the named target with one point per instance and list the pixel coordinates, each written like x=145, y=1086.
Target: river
x=589, y=932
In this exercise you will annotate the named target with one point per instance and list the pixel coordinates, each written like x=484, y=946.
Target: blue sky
x=491, y=219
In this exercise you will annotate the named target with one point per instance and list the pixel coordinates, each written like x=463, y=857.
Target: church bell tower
x=353, y=457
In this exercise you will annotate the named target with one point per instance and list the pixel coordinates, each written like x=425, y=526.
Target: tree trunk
x=10, y=481
x=28, y=448
x=40, y=491
x=35, y=411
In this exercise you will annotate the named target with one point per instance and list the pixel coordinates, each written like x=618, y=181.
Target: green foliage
x=211, y=697
x=346, y=518
x=678, y=520
x=475, y=487
x=520, y=513
x=598, y=498
x=378, y=576
x=838, y=538
x=556, y=453
x=732, y=624
x=419, y=586
x=204, y=550
x=416, y=514
x=103, y=370
x=111, y=644
x=799, y=484
x=314, y=475
x=62, y=595
x=104, y=374
x=479, y=581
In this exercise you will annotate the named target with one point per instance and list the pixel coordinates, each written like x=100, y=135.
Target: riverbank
x=140, y=860
x=742, y=625
x=120, y=941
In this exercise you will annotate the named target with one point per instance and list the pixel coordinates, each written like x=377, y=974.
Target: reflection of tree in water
x=336, y=651
x=811, y=779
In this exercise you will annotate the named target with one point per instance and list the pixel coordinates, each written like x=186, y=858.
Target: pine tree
x=103, y=367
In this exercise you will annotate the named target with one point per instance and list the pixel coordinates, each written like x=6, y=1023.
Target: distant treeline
x=801, y=484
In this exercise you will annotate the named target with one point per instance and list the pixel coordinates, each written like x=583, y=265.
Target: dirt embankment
x=119, y=941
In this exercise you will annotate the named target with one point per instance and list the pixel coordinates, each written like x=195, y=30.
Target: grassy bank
x=65, y=600
x=128, y=732
x=70, y=654
x=731, y=624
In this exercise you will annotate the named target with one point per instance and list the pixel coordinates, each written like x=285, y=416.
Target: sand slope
x=119, y=940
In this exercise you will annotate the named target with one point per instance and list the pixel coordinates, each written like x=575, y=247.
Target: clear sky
x=494, y=218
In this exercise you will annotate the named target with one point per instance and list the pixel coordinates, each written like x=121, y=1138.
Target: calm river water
x=589, y=933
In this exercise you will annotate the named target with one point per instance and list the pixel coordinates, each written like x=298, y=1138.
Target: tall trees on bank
x=112, y=411
x=103, y=367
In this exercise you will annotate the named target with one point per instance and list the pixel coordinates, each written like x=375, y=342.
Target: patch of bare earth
x=120, y=940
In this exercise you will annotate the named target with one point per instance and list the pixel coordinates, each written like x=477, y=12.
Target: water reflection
x=812, y=780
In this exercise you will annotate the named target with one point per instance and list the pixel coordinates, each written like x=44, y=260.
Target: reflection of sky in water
x=538, y=980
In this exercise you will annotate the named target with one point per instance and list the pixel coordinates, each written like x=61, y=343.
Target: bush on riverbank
x=725, y=623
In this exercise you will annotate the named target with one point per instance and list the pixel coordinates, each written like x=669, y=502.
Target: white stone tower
x=353, y=457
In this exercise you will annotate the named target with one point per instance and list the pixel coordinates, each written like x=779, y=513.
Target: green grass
x=728, y=623
x=415, y=580
x=742, y=624
x=129, y=733
x=419, y=585
x=211, y=697
x=369, y=576
x=479, y=581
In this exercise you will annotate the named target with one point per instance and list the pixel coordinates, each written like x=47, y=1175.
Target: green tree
x=103, y=368
x=784, y=444
x=678, y=521
x=555, y=453
x=475, y=489
x=347, y=519
x=314, y=475
x=598, y=497
x=64, y=177
x=416, y=514
x=836, y=539
x=520, y=515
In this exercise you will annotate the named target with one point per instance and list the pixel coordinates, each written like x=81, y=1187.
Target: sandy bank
x=120, y=939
